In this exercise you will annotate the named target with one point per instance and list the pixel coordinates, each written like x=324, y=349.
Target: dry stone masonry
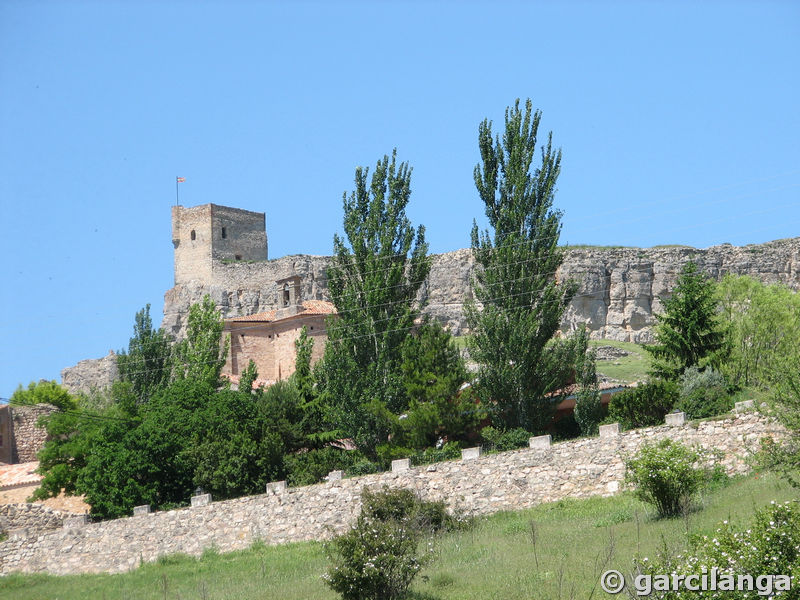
x=30, y=519
x=477, y=485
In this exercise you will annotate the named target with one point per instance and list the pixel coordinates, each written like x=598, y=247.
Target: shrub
x=643, y=406
x=306, y=468
x=510, y=439
x=378, y=558
x=449, y=451
x=665, y=475
x=704, y=393
x=771, y=545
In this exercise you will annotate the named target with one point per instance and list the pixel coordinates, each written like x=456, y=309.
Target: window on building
x=224, y=233
x=286, y=294
x=193, y=235
x=238, y=257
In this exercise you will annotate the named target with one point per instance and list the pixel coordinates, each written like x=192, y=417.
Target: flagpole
x=177, y=201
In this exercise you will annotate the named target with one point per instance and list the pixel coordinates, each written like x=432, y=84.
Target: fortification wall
x=505, y=481
x=30, y=519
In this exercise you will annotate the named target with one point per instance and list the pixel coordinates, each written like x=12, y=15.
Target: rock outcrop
x=90, y=375
x=620, y=289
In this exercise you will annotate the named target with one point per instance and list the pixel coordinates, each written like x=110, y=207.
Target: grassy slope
x=627, y=368
x=630, y=368
x=495, y=559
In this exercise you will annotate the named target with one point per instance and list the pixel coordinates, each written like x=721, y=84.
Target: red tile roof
x=18, y=475
x=310, y=307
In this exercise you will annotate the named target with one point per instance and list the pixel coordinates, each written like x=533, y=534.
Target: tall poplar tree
x=373, y=282
x=515, y=279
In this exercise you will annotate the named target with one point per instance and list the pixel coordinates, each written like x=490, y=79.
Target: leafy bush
x=450, y=451
x=306, y=468
x=44, y=392
x=771, y=545
x=704, y=393
x=378, y=558
x=506, y=440
x=644, y=405
x=567, y=428
x=665, y=475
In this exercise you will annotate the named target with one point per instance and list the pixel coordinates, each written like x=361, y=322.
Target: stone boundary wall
x=28, y=439
x=29, y=519
x=479, y=485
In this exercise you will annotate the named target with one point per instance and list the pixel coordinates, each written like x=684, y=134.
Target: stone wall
x=487, y=484
x=27, y=438
x=272, y=345
x=209, y=232
x=30, y=519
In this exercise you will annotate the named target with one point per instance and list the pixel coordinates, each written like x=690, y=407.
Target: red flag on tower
x=181, y=179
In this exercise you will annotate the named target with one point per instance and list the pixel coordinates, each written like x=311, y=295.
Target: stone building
x=20, y=436
x=202, y=235
x=268, y=338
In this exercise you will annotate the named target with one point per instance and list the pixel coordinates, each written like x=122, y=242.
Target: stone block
x=744, y=405
x=470, y=453
x=335, y=475
x=401, y=464
x=22, y=532
x=202, y=500
x=540, y=441
x=611, y=430
x=675, y=418
x=276, y=487
x=75, y=522
x=144, y=509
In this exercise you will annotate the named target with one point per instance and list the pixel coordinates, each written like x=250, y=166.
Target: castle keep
x=203, y=235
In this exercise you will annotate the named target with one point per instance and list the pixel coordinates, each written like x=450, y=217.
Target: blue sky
x=679, y=123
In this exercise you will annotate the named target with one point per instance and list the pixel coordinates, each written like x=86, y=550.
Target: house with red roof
x=268, y=338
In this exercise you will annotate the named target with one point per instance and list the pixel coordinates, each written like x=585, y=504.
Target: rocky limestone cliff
x=90, y=375
x=619, y=288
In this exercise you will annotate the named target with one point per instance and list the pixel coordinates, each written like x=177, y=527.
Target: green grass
x=630, y=368
x=510, y=556
x=627, y=368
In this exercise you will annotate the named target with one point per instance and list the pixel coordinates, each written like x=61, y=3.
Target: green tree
x=44, y=392
x=588, y=405
x=248, y=377
x=373, y=282
x=761, y=324
x=433, y=373
x=516, y=276
x=201, y=355
x=75, y=436
x=688, y=333
x=147, y=362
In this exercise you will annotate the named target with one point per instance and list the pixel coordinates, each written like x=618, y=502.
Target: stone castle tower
x=203, y=234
